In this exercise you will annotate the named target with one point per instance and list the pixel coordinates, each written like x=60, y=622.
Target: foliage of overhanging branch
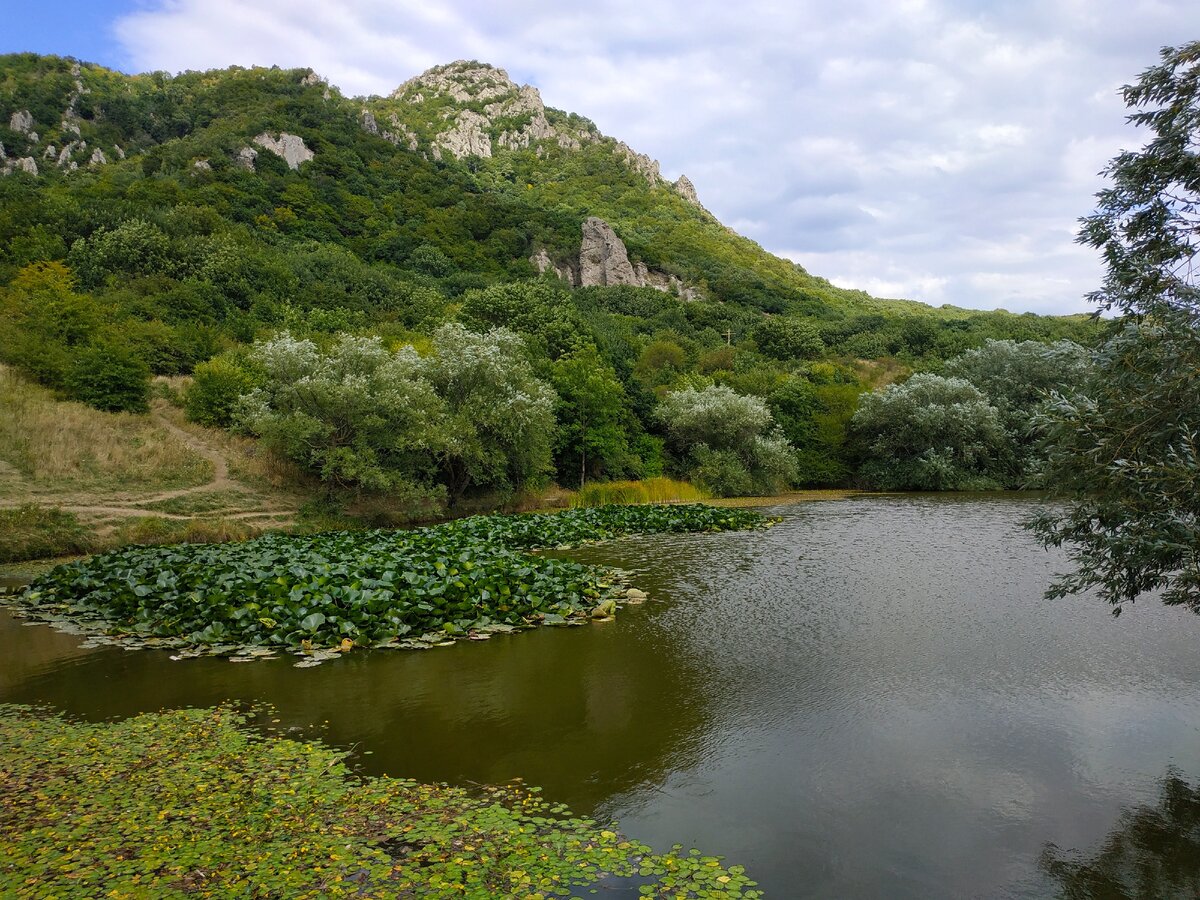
x=1126, y=453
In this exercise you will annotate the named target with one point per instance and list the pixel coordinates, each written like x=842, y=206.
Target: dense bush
x=1018, y=379
x=974, y=429
x=931, y=434
x=499, y=417
x=786, y=338
x=356, y=415
x=468, y=416
x=732, y=444
x=212, y=396
x=110, y=378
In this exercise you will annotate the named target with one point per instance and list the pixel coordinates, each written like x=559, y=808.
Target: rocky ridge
x=478, y=110
x=457, y=110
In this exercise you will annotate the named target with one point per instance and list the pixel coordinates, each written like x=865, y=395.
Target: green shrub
x=216, y=386
x=109, y=378
x=932, y=434
x=721, y=471
x=734, y=446
x=787, y=338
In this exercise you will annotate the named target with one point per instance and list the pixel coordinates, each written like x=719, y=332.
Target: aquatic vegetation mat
x=191, y=803
x=323, y=594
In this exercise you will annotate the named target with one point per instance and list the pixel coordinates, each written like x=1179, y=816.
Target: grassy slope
x=124, y=478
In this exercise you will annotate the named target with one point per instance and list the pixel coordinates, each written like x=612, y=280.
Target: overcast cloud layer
x=940, y=151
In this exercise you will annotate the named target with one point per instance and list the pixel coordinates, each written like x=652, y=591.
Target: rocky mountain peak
x=477, y=110
x=462, y=81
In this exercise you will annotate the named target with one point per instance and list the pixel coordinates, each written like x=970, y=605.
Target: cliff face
x=603, y=261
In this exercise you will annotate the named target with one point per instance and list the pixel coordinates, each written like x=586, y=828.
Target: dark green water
x=869, y=700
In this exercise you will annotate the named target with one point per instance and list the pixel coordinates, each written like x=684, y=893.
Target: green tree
x=109, y=377
x=135, y=247
x=217, y=385
x=499, y=416
x=931, y=434
x=592, y=439
x=358, y=416
x=1125, y=451
x=659, y=363
x=1018, y=378
x=533, y=308
x=787, y=338
x=44, y=320
x=730, y=441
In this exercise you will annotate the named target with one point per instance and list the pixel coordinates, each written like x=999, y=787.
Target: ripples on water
x=870, y=699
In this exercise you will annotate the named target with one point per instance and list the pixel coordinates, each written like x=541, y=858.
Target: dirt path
x=248, y=502
x=220, y=480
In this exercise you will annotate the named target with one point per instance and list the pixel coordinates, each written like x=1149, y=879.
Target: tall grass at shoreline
x=630, y=493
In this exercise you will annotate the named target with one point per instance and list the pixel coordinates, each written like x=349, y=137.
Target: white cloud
x=935, y=149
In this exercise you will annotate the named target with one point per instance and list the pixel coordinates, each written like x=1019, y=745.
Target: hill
x=150, y=223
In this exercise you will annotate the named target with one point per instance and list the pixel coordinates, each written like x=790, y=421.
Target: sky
x=937, y=151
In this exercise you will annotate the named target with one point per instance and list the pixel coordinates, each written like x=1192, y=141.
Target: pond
x=870, y=699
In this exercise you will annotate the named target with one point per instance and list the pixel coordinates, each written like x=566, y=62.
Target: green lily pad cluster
x=321, y=594
x=191, y=803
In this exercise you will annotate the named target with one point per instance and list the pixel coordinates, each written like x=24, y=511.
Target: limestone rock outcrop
x=245, y=158
x=21, y=121
x=20, y=164
x=640, y=163
x=516, y=111
x=468, y=137
x=660, y=281
x=603, y=259
x=543, y=263
x=462, y=81
x=400, y=135
x=289, y=146
x=527, y=103
x=64, y=155
x=685, y=189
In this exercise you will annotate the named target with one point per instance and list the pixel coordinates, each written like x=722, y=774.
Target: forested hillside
x=473, y=292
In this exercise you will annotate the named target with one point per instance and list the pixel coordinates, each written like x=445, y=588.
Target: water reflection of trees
x=1153, y=852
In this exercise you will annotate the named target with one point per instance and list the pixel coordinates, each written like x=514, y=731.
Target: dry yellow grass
x=651, y=490
x=57, y=445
